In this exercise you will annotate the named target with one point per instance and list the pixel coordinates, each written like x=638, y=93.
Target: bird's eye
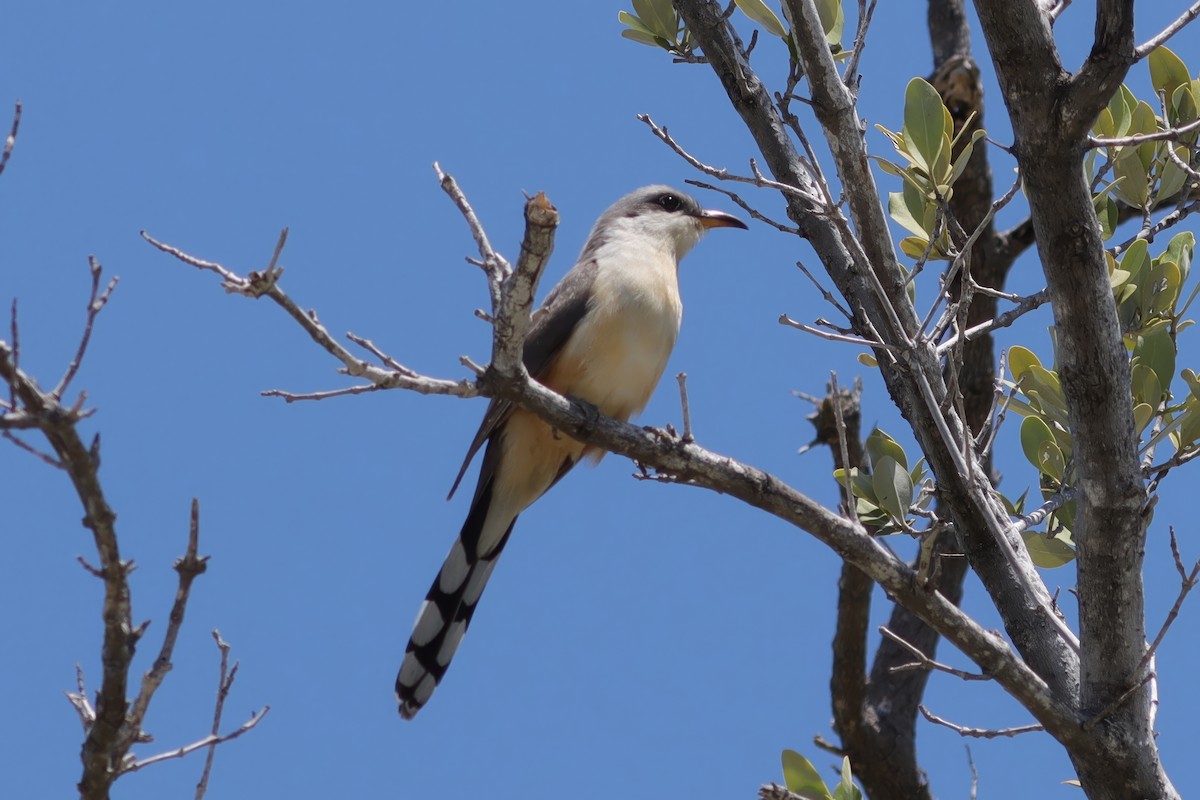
x=669, y=202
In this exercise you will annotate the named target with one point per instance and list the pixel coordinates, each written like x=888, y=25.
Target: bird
x=603, y=335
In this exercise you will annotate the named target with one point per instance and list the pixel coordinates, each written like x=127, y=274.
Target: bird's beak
x=719, y=219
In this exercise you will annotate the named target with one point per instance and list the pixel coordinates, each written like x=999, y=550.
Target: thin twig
x=835, y=395
x=1188, y=580
x=784, y=319
x=723, y=174
x=1143, y=50
x=925, y=662
x=265, y=284
x=865, y=13
x=292, y=397
x=189, y=566
x=1023, y=307
x=978, y=733
x=79, y=700
x=11, y=140
x=96, y=302
x=753, y=212
x=683, y=401
x=224, y=684
x=207, y=741
x=826, y=295
x=387, y=360
x=1168, y=134
x=28, y=448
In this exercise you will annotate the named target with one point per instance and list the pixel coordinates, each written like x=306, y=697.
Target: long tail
x=448, y=607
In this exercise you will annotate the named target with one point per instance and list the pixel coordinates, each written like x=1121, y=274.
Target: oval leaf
x=880, y=444
x=924, y=126
x=1167, y=70
x=1019, y=361
x=757, y=10
x=802, y=777
x=659, y=17
x=1034, y=433
x=893, y=487
x=1047, y=552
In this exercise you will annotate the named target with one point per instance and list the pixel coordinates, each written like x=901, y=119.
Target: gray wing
x=551, y=326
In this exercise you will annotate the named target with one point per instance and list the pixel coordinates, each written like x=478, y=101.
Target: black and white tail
x=450, y=603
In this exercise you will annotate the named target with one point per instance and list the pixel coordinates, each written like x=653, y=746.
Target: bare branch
x=511, y=318
x=681, y=378
x=1188, y=580
x=291, y=397
x=979, y=733
x=724, y=174
x=207, y=741
x=264, y=284
x=843, y=446
x=784, y=319
x=1168, y=135
x=749, y=209
x=79, y=700
x=96, y=303
x=865, y=13
x=189, y=566
x=11, y=140
x=28, y=448
x=224, y=684
x=1143, y=50
x=387, y=360
x=926, y=663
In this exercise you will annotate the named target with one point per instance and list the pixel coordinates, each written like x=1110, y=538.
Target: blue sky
x=637, y=638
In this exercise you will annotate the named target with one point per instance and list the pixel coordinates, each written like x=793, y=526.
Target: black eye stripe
x=669, y=202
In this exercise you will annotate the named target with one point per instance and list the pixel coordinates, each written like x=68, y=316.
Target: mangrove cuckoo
x=603, y=335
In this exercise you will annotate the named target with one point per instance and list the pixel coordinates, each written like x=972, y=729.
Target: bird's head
x=662, y=216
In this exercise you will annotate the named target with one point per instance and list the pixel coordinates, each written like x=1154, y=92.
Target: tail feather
x=447, y=610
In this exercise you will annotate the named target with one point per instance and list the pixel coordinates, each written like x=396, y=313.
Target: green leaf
x=1050, y=460
x=1121, y=106
x=1167, y=71
x=1047, y=552
x=880, y=444
x=758, y=11
x=893, y=487
x=1020, y=359
x=1142, y=414
x=846, y=790
x=659, y=17
x=833, y=20
x=802, y=778
x=1133, y=186
x=633, y=22
x=1135, y=259
x=1180, y=251
x=1145, y=121
x=1147, y=388
x=1034, y=433
x=1156, y=349
x=644, y=38
x=1183, y=106
x=868, y=360
x=1166, y=288
x=1193, y=382
x=1172, y=178
x=924, y=122
x=964, y=155
x=901, y=208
